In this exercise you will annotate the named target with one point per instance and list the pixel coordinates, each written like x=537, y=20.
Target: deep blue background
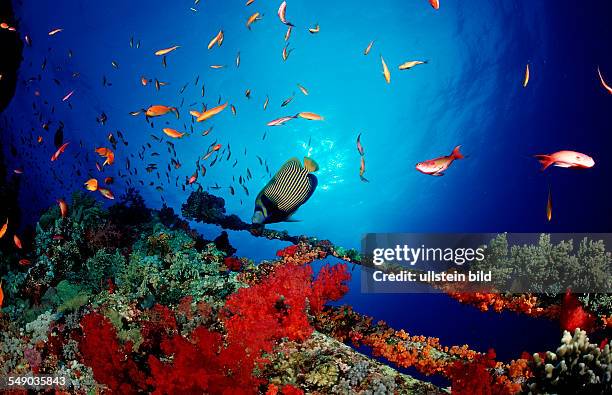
x=469, y=93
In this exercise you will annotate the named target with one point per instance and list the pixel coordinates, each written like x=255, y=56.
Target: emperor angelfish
x=290, y=187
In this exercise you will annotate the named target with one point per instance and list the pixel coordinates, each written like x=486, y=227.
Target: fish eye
x=578, y=158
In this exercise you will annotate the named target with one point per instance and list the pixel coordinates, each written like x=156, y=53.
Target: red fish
x=63, y=207
x=17, y=241
x=24, y=262
x=436, y=167
x=567, y=159
x=59, y=151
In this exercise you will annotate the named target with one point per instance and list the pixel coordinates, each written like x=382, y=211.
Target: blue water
x=470, y=93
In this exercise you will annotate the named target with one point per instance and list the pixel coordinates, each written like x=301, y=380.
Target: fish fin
x=545, y=160
x=364, y=179
x=310, y=164
x=437, y=174
x=456, y=154
x=565, y=165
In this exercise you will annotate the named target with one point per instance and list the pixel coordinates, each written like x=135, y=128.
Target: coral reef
x=576, y=367
x=131, y=300
x=154, y=308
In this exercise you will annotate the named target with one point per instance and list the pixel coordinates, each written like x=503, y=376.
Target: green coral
x=164, y=267
x=102, y=267
x=547, y=267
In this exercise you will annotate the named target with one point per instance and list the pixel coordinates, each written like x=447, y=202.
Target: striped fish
x=290, y=187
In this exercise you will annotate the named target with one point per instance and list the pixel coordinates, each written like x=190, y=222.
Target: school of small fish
x=166, y=135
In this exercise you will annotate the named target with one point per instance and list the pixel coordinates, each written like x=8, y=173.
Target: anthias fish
x=290, y=188
x=567, y=159
x=436, y=167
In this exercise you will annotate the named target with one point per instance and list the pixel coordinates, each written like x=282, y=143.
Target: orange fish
x=211, y=113
x=39, y=139
x=108, y=180
x=106, y=153
x=173, y=133
x=144, y=81
x=24, y=262
x=233, y=109
x=18, y=171
x=249, y=2
x=193, y=178
x=310, y=116
x=368, y=48
x=217, y=66
x=304, y=90
x=315, y=30
x=549, y=205
x=217, y=40
x=603, y=83
x=17, y=242
x=63, y=207
x=59, y=151
x=436, y=167
x=526, y=78
x=362, y=169
x=255, y=17
x=165, y=51
x=435, y=4
x=3, y=229
x=91, y=184
x=106, y=193
x=158, y=110
x=55, y=31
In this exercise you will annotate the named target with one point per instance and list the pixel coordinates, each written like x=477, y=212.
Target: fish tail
x=456, y=154
x=545, y=160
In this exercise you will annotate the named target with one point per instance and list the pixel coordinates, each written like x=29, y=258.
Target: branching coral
x=577, y=367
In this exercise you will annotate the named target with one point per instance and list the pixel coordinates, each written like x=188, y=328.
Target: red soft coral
x=232, y=263
x=111, y=363
x=574, y=316
x=287, y=251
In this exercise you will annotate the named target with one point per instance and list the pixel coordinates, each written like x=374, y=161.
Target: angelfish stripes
x=290, y=188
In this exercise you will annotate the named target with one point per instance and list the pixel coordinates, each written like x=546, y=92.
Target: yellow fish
x=549, y=205
x=91, y=184
x=3, y=229
x=411, y=64
x=386, y=72
x=165, y=51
